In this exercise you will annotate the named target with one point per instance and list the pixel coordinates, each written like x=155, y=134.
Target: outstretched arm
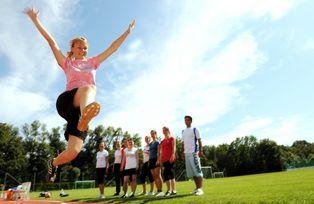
x=33, y=15
x=116, y=44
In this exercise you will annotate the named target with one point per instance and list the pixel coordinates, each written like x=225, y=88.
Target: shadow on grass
x=136, y=199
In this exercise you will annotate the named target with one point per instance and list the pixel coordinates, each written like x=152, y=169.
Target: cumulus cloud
x=194, y=68
x=31, y=69
x=284, y=131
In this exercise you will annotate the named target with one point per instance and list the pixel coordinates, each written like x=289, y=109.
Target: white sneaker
x=142, y=193
x=102, y=197
x=167, y=193
x=194, y=191
x=159, y=194
x=150, y=194
x=199, y=192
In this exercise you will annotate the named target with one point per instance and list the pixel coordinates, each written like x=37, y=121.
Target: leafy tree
x=12, y=153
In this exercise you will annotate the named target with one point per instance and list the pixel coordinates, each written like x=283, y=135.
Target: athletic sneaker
x=173, y=193
x=150, y=193
x=199, y=192
x=116, y=194
x=102, y=196
x=132, y=195
x=89, y=112
x=123, y=196
x=167, y=193
x=142, y=193
x=52, y=172
x=194, y=191
x=159, y=194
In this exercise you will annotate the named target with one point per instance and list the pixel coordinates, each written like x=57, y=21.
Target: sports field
x=283, y=187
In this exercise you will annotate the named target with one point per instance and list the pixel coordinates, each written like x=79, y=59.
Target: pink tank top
x=80, y=72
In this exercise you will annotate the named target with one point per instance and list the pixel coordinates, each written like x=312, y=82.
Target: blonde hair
x=75, y=40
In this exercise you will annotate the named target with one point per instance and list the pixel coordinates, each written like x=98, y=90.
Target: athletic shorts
x=100, y=175
x=145, y=172
x=193, y=165
x=168, y=171
x=70, y=113
x=130, y=172
x=152, y=163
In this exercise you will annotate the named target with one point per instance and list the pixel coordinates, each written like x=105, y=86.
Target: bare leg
x=133, y=184
x=168, y=185
x=75, y=145
x=173, y=185
x=101, y=188
x=152, y=187
x=125, y=184
x=198, y=182
x=157, y=177
x=84, y=96
x=144, y=187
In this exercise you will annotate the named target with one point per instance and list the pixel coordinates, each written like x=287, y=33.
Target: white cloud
x=32, y=69
x=193, y=69
x=283, y=130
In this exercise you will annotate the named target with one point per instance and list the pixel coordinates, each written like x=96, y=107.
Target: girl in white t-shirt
x=130, y=161
x=102, y=164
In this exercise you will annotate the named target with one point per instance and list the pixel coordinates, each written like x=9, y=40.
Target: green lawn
x=282, y=187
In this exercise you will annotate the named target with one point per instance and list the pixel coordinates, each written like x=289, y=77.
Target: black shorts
x=100, y=175
x=130, y=172
x=152, y=163
x=70, y=113
x=168, y=171
x=145, y=172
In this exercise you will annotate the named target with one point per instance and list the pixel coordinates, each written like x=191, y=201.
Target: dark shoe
x=116, y=194
x=52, y=172
x=132, y=196
x=173, y=193
x=123, y=196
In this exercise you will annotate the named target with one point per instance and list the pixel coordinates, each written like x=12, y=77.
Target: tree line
x=24, y=152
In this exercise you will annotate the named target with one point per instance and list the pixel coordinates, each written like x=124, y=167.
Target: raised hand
x=131, y=26
x=31, y=12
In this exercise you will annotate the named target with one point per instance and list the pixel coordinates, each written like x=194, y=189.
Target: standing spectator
x=102, y=164
x=192, y=151
x=145, y=171
x=117, y=166
x=130, y=161
x=167, y=159
x=154, y=163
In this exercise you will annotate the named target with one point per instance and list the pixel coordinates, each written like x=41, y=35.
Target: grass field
x=282, y=187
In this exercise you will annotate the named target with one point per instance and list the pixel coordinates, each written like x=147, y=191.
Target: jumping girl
x=77, y=104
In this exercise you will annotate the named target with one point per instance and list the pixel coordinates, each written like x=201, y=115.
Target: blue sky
x=238, y=67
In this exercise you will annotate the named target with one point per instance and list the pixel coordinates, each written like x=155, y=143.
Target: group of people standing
x=159, y=158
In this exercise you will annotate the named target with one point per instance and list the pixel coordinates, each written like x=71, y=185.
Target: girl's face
x=101, y=146
x=118, y=145
x=164, y=131
x=147, y=139
x=153, y=134
x=130, y=143
x=79, y=50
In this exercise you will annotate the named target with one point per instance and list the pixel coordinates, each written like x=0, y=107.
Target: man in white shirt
x=102, y=164
x=191, y=152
